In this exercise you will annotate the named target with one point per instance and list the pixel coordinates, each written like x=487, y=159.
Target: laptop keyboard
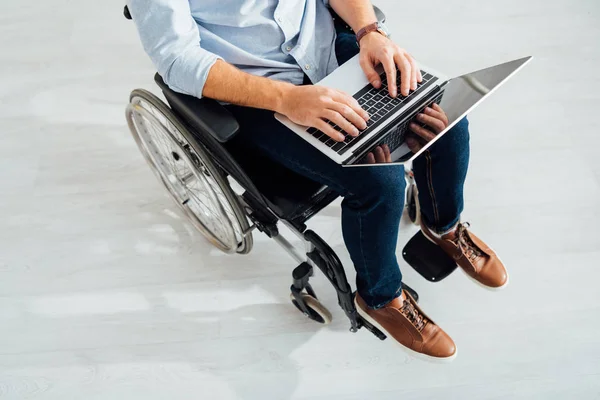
x=395, y=137
x=379, y=104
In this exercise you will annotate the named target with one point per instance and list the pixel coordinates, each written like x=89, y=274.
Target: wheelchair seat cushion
x=206, y=116
x=290, y=195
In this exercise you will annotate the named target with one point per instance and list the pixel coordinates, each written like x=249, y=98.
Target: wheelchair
x=184, y=145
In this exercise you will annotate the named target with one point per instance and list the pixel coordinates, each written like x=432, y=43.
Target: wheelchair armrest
x=203, y=115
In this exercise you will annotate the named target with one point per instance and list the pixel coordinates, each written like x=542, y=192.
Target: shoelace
x=410, y=312
x=466, y=245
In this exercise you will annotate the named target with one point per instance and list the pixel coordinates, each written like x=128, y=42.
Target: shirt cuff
x=189, y=72
x=207, y=65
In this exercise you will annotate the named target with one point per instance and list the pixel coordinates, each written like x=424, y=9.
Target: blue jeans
x=373, y=196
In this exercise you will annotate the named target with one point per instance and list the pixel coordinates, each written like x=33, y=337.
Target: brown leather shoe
x=406, y=324
x=474, y=257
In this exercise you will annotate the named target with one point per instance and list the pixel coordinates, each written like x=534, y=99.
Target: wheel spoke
x=166, y=150
x=208, y=207
x=184, y=173
x=164, y=147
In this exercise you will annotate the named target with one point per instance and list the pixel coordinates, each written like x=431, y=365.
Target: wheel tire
x=412, y=203
x=316, y=311
x=154, y=125
x=417, y=220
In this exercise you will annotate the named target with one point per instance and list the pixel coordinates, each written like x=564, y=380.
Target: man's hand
x=311, y=105
x=376, y=49
x=436, y=120
x=379, y=155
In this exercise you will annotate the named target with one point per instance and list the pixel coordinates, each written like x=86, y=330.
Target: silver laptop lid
x=457, y=97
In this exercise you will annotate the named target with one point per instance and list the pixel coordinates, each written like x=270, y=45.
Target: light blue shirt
x=278, y=39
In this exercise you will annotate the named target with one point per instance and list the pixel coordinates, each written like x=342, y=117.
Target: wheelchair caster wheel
x=316, y=311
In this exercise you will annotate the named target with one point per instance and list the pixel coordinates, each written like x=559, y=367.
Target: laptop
x=390, y=117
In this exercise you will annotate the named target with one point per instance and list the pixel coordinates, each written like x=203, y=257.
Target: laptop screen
x=454, y=100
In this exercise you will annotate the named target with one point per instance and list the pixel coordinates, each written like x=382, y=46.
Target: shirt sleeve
x=171, y=38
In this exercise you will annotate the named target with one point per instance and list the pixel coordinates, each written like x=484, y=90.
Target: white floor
x=105, y=293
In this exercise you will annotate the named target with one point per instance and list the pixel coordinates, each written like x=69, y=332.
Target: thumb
x=370, y=72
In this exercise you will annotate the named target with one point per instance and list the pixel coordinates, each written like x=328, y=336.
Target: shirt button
x=288, y=48
x=307, y=67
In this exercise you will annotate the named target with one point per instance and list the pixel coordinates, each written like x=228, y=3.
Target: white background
x=106, y=294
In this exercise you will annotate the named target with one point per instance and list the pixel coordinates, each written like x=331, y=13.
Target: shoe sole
x=490, y=288
x=409, y=351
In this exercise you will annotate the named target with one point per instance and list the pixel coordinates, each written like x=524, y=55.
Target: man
x=260, y=56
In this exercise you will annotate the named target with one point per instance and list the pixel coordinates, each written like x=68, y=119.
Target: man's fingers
x=369, y=70
x=439, y=115
x=390, y=71
x=419, y=75
x=349, y=108
x=388, y=154
x=434, y=123
x=350, y=116
x=370, y=158
x=439, y=109
x=379, y=155
x=329, y=131
x=405, y=73
x=414, y=73
x=340, y=121
x=422, y=132
x=434, y=113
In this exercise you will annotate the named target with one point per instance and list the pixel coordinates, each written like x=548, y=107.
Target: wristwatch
x=374, y=27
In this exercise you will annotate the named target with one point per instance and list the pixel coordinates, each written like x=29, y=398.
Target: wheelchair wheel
x=183, y=165
x=412, y=200
x=316, y=311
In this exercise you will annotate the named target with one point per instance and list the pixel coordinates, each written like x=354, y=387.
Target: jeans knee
x=379, y=185
x=454, y=144
x=459, y=134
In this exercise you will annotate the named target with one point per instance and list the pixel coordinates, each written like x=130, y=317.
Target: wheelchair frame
x=214, y=161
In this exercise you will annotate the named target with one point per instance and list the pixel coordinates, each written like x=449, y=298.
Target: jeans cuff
x=444, y=228
x=397, y=294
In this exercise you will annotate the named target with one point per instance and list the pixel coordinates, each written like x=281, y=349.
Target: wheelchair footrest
x=366, y=324
x=428, y=259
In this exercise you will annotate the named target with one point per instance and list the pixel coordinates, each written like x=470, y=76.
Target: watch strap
x=374, y=27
